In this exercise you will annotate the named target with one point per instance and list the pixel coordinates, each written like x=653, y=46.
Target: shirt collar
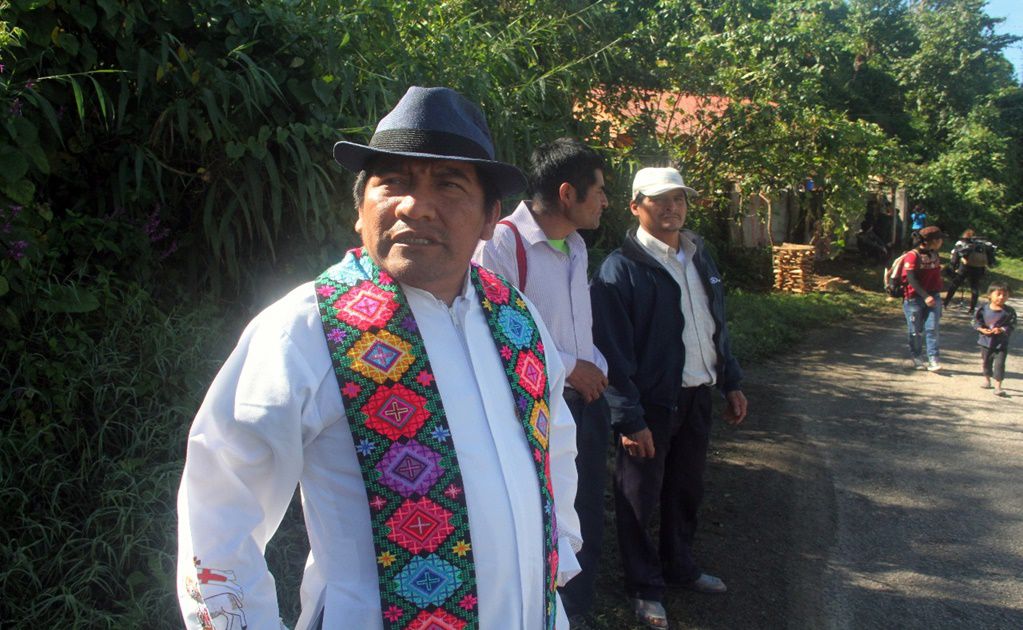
x=659, y=249
x=532, y=233
x=654, y=245
x=461, y=300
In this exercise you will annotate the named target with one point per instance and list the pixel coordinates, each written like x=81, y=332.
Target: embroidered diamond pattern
x=428, y=581
x=410, y=468
x=436, y=620
x=374, y=341
x=541, y=423
x=395, y=411
x=495, y=290
x=419, y=525
x=515, y=326
x=381, y=356
x=366, y=306
x=532, y=376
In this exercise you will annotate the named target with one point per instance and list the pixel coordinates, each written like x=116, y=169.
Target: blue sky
x=1012, y=11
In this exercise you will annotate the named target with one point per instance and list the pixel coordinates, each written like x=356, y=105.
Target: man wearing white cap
x=659, y=319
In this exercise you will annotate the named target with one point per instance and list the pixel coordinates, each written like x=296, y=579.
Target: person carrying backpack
x=970, y=258
x=922, y=301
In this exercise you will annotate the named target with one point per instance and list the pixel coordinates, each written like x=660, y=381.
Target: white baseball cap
x=657, y=181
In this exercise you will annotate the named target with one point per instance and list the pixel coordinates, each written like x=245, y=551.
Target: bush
x=97, y=412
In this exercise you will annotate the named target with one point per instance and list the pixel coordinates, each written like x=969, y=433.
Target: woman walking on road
x=922, y=304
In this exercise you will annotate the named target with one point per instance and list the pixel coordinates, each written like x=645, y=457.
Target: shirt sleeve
x=568, y=360
x=244, y=459
x=562, y=451
x=599, y=360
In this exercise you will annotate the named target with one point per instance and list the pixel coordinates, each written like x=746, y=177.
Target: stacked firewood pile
x=793, y=268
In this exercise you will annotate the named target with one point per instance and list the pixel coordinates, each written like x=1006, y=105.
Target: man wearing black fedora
x=416, y=401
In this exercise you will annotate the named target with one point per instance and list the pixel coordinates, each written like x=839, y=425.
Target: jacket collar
x=631, y=247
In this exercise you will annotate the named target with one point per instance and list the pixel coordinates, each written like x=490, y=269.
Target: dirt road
x=864, y=494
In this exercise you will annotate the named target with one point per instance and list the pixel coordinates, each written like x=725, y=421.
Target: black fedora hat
x=434, y=123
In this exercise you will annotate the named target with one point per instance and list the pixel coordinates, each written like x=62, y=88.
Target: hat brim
x=508, y=179
x=660, y=189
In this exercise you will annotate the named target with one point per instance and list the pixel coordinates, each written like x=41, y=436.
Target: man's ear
x=567, y=194
x=491, y=221
x=634, y=207
x=358, y=224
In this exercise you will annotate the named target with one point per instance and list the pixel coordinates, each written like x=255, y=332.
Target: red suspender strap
x=520, y=253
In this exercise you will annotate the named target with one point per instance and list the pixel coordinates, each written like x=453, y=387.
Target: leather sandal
x=650, y=613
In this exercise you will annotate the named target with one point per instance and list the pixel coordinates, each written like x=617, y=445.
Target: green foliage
x=122, y=107
x=1009, y=271
x=163, y=153
x=96, y=412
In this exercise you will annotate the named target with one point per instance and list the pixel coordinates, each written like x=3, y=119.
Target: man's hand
x=929, y=300
x=639, y=444
x=735, y=407
x=588, y=380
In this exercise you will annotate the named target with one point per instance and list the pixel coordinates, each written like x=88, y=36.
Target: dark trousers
x=673, y=481
x=993, y=361
x=592, y=432
x=972, y=275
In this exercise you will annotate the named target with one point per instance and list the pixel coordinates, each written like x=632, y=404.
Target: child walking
x=994, y=321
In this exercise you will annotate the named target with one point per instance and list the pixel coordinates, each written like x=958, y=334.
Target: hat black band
x=432, y=142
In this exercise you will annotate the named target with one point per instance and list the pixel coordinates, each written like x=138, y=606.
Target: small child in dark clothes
x=994, y=321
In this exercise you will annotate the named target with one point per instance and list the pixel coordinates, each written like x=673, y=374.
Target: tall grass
x=90, y=456
x=1009, y=271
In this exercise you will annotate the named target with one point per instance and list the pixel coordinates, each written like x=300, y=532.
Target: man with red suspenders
x=538, y=249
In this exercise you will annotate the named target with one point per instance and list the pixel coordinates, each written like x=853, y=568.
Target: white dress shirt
x=698, y=325
x=273, y=419
x=556, y=283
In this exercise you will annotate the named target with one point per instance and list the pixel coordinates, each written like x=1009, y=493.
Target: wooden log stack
x=793, y=268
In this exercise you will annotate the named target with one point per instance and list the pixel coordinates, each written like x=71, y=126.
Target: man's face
x=420, y=220
x=585, y=212
x=664, y=215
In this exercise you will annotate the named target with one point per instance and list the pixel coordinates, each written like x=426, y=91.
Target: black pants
x=592, y=431
x=993, y=361
x=971, y=275
x=673, y=481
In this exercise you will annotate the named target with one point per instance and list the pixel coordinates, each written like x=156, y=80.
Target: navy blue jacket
x=637, y=325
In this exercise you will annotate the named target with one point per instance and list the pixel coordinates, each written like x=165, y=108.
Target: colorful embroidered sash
x=417, y=503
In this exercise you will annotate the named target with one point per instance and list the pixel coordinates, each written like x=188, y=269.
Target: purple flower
x=409, y=324
x=1, y=68
x=30, y=85
x=16, y=107
x=170, y=250
x=16, y=250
